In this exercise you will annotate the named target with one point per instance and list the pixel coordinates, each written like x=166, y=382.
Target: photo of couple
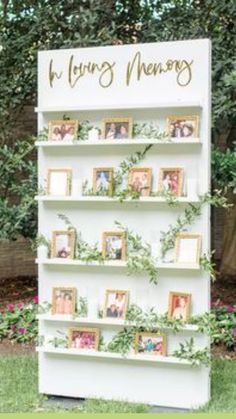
x=63, y=300
x=116, y=304
x=117, y=128
x=183, y=127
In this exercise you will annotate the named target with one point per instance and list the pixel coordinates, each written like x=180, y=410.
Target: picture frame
x=117, y=128
x=140, y=180
x=179, y=306
x=188, y=248
x=64, y=300
x=63, y=244
x=114, y=245
x=59, y=182
x=116, y=303
x=63, y=130
x=103, y=184
x=147, y=343
x=183, y=126
x=170, y=179
x=84, y=338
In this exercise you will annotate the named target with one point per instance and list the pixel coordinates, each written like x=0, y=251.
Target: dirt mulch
x=9, y=348
x=224, y=288
x=15, y=290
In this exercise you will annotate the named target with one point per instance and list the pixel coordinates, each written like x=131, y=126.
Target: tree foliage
x=29, y=26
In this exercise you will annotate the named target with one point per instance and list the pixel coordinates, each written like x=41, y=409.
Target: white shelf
x=102, y=322
x=115, y=356
x=114, y=264
x=92, y=107
x=128, y=142
x=106, y=199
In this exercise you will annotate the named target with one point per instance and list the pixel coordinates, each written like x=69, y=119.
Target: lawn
x=18, y=389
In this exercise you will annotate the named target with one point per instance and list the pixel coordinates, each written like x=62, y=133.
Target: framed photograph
x=183, y=126
x=188, y=248
x=63, y=300
x=63, y=130
x=117, y=128
x=171, y=180
x=63, y=244
x=83, y=338
x=140, y=180
x=102, y=180
x=150, y=343
x=179, y=306
x=114, y=245
x=116, y=304
x=59, y=182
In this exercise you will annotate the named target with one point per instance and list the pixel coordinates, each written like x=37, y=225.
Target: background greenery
x=29, y=26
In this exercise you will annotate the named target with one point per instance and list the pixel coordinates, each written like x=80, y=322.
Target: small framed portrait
x=150, y=343
x=140, y=180
x=63, y=300
x=117, y=128
x=179, y=306
x=63, y=244
x=83, y=338
x=64, y=130
x=183, y=126
x=116, y=304
x=114, y=245
x=102, y=180
x=188, y=248
x=171, y=180
x=59, y=182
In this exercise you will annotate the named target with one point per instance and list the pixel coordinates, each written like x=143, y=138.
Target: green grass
x=18, y=390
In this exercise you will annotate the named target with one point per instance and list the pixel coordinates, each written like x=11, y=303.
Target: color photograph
x=116, y=304
x=102, y=181
x=63, y=300
x=65, y=130
x=150, y=344
x=117, y=128
x=114, y=245
x=140, y=179
x=83, y=338
x=63, y=244
x=171, y=180
x=179, y=306
x=183, y=126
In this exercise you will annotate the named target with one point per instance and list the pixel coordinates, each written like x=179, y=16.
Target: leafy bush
x=225, y=330
x=18, y=322
x=18, y=179
x=224, y=168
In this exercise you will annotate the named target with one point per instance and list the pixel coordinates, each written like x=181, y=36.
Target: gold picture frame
x=64, y=135
x=121, y=253
x=84, y=330
x=145, y=190
x=188, y=126
x=68, y=180
x=116, y=134
x=175, y=312
x=71, y=244
x=148, y=335
x=170, y=184
x=110, y=170
x=188, y=236
x=120, y=309
x=62, y=307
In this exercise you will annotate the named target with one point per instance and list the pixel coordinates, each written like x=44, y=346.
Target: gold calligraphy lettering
x=75, y=72
x=53, y=74
x=137, y=68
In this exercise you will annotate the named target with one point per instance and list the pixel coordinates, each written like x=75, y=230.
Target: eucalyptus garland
x=188, y=352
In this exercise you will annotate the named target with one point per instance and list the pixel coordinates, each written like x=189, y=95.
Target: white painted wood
x=151, y=99
x=104, y=199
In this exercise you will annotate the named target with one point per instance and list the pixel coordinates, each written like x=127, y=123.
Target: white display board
x=147, y=82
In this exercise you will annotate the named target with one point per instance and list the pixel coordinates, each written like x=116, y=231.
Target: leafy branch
x=187, y=351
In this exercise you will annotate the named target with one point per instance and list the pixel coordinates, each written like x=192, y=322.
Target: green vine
x=139, y=255
x=40, y=240
x=187, y=352
x=82, y=308
x=150, y=131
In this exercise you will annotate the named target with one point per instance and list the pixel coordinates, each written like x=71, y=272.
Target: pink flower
x=36, y=299
x=234, y=332
x=20, y=305
x=13, y=327
x=230, y=309
x=10, y=307
x=21, y=331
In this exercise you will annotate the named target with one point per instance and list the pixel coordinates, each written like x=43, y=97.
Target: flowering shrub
x=18, y=322
x=225, y=330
